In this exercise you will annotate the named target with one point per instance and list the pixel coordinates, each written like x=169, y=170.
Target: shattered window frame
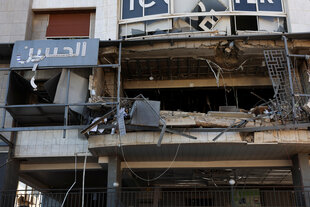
x=198, y=20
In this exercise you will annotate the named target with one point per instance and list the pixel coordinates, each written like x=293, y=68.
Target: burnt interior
x=246, y=23
x=226, y=61
x=205, y=99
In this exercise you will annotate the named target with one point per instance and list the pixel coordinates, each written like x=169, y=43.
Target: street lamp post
x=232, y=182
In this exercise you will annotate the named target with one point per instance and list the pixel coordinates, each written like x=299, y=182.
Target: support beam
x=10, y=176
x=103, y=160
x=209, y=164
x=3, y=161
x=192, y=83
x=6, y=140
x=301, y=178
x=57, y=166
x=32, y=181
x=114, y=181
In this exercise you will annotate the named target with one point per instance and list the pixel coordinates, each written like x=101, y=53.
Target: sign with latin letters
x=53, y=53
x=140, y=8
x=258, y=5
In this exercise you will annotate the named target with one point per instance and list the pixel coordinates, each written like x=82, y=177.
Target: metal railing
x=161, y=197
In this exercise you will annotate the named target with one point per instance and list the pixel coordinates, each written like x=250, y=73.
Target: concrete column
x=107, y=13
x=16, y=20
x=10, y=175
x=301, y=179
x=114, y=182
x=156, y=197
x=3, y=159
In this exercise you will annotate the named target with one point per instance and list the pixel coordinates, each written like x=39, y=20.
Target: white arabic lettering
x=38, y=57
x=84, y=49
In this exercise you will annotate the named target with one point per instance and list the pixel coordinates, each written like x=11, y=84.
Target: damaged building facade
x=154, y=103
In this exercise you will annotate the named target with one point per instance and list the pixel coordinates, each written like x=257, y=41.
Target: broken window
x=272, y=24
x=205, y=99
x=246, y=23
x=185, y=17
x=152, y=27
x=50, y=89
x=262, y=24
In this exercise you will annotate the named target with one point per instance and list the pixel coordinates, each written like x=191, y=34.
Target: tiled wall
x=3, y=84
x=39, y=26
x=63, y=4
x=49, y=143
x=106, y=18
x=15, y=16
x=298, y=15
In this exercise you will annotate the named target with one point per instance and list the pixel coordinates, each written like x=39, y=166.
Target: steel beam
x=6, y=98
x=51, y=105
x=246, y=129
x=288, y=60
x=42, y=128
x=207, y=164
x=6, y=140
x=67, y=102
x=119, y=78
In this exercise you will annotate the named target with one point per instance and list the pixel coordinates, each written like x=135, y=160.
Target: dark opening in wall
x=205, y=99
x=233, y=25
x=22, y=93
x=246, y=23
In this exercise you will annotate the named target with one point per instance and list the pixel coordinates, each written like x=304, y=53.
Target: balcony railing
x=161, y=197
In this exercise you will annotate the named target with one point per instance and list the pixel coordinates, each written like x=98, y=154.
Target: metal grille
x=278, y=71
x=277, y=68
x=161, y=197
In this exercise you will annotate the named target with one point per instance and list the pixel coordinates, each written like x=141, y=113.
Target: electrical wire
x=236, y=97
x=217, y=76
x=83, y=184
x=6, y=162
x=75, y=163
x=141, y=178
x=240, y=67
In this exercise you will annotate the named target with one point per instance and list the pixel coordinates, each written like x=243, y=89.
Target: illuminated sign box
x=55, y=53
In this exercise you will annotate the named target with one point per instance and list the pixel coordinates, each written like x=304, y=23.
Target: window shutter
x=68, y=25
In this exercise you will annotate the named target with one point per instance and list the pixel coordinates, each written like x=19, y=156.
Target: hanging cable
x=141, y=178
x=6, y=162
x=216, y=76
x=236, y=97
x=75, y=163
x=83, y=184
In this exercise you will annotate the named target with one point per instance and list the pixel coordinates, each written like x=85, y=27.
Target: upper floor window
x=68, y=25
